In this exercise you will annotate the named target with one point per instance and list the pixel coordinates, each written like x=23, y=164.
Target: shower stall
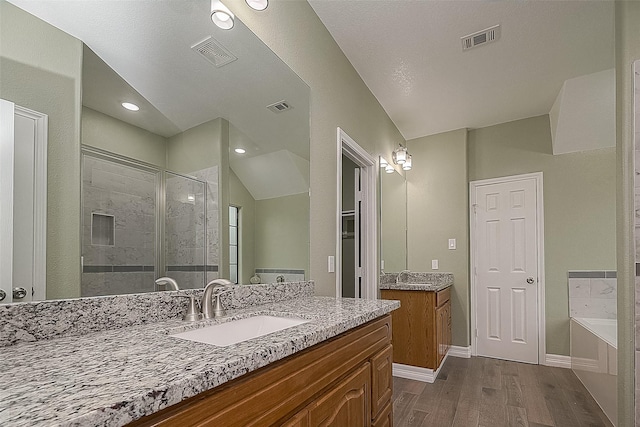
x=140, y=222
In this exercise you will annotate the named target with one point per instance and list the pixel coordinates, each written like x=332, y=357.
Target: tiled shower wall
x=187, y=259
x=126, y=265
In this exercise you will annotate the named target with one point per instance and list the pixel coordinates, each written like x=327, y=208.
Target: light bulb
x=389, y=169
x=258, y=4
x=129, y=106
x=407, y=164
x=221, y=15
x=240, y=150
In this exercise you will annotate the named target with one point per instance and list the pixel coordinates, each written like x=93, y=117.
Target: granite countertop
x=116, y=376
x=429, y=287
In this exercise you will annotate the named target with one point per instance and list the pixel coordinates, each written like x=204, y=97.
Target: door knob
x=530, y=280
x=3, y=295
x=19, y=293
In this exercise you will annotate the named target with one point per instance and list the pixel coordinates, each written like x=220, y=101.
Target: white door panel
x=505, y=257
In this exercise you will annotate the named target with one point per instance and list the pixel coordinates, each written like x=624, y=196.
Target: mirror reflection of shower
x=140, y=223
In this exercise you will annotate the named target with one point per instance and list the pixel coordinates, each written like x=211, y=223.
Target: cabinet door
x=347, y=404
x=441, y=327
x=448, y=327
x=386, y=417
x=301, y=419
x=381, y=380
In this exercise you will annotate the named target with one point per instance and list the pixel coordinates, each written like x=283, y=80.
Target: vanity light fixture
x=240, y=150
x=400, y=155
x=129, y=106
x=221, y=15
x=389, y=169
x=258, y=4
x=407, y=164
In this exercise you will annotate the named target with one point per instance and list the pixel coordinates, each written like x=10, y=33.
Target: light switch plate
x=332, y=264
x=452, y=243
x=434, y=264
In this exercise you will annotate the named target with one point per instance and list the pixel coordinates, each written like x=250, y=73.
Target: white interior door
x=506, y=269
x=23, y=206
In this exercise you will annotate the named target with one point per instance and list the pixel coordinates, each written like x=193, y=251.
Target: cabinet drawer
x=443, y=296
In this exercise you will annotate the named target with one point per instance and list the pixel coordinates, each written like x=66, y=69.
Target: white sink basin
x=236, y=331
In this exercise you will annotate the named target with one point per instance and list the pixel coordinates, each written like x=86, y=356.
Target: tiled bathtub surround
x=270, y=275
x=593, y=294
x=43, y=320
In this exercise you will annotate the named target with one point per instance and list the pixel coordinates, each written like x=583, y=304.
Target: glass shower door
x=118, y=226
x=185, y=230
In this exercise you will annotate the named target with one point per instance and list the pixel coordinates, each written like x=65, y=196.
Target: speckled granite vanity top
x=112, y=377
x=429, y=287
x=416, y=281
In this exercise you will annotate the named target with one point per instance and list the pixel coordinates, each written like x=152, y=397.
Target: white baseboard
x=458, y=351
x=558, y=361
x=417, y=373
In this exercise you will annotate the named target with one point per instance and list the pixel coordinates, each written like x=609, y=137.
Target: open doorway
x=356, y=221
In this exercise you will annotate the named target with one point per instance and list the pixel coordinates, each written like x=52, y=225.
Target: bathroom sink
x=236, y=331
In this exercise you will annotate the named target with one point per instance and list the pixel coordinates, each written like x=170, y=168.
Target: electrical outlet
x=332, y=264
x=434, y=264
x=452, y=243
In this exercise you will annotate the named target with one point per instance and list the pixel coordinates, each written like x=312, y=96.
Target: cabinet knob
x=3, y=295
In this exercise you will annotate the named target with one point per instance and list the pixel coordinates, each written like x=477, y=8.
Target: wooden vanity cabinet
x=345, y=381
x=421, y=326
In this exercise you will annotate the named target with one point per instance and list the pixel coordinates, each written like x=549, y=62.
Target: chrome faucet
x=208, y=311
x=167, y=281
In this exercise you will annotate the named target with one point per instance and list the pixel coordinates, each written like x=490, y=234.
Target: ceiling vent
x=481, y=37
x=279, y=107
x=214, y=52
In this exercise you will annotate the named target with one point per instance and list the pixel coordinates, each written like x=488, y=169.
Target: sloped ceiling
x=583, y=116
x=148, y=44
x=409, y=54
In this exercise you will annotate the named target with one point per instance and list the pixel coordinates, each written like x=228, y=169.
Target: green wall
x=627, y=51
x=282, y=223
x=437, y=210
x=579, y=206
x=196, y=148
x=113, y=135
x=41, y=69
x=339, y=98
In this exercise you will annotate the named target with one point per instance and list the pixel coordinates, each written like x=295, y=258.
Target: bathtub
x=594, y=360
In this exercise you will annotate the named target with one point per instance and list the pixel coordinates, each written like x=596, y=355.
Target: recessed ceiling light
x=221, y=15
x=130, y=106
x=258, y=4
x=240, y=150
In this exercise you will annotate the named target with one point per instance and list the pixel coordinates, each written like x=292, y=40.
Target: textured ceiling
x=410, y=56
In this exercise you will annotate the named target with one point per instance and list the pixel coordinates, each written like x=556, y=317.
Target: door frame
x=369, y=175
x=537, y=176
x=8, y=111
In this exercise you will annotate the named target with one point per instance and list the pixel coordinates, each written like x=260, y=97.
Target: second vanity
x=114, y=377
x=422, y=324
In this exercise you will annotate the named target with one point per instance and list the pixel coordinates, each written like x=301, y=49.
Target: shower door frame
x=160, y=205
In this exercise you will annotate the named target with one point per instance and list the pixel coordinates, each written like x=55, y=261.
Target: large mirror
x=208, y=178
x=393, y=219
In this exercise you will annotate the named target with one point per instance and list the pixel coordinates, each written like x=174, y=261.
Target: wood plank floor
x=483, y=392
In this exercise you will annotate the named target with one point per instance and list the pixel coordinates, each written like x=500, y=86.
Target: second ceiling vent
x=481, y=37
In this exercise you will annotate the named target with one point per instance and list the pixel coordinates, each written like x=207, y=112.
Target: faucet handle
x=193, y=313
